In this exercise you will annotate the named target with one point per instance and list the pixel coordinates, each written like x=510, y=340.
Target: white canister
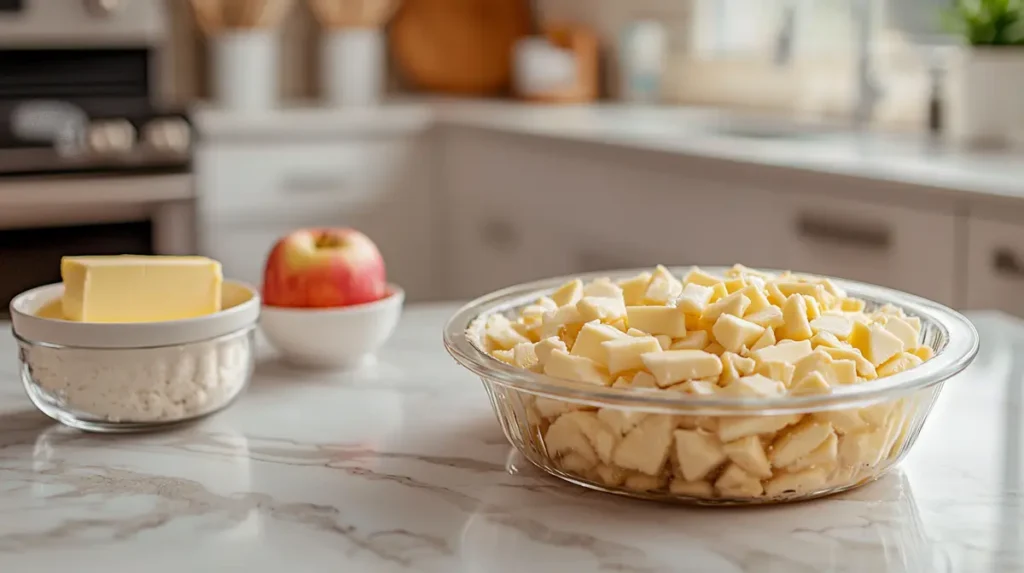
x=642, y=61
x=541, y=67
x=245, y=66
x=352, y=66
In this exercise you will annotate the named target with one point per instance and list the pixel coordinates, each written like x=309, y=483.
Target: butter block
x=135, y=288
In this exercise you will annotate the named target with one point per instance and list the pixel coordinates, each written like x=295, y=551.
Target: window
x=756, y=29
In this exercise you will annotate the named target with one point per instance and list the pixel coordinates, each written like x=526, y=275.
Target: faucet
x=869, y=91
x=786, y=36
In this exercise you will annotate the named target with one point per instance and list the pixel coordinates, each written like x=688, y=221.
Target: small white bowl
x=342, y=337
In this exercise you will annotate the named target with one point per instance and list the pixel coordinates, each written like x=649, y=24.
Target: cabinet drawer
x=242, y=250
x=995, y=266
x=603, y=213
x=250, y=196
x=302, y=178
x=897, y=247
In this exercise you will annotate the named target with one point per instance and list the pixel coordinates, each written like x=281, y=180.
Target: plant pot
x=353, y=66
x=985, y=107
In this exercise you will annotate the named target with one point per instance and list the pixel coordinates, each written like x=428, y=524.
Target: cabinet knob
x=1005, y=262
x=500, y=235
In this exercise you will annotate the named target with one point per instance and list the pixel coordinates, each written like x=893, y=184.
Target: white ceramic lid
x=241, y=304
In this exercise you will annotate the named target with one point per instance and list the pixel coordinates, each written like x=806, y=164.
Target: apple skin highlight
x=324, y=268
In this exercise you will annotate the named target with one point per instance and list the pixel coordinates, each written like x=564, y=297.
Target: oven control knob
x=171, y=135
x=103, y=8
x=111, y=137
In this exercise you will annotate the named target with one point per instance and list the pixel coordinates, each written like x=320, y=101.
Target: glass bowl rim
x=959, y=351
x=21, y=340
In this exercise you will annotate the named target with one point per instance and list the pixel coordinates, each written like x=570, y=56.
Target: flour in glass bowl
x=163, y=384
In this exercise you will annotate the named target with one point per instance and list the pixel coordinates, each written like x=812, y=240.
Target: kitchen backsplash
x=806, y=87
x=300, y=39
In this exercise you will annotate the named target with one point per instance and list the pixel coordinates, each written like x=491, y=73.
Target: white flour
x=144, y=385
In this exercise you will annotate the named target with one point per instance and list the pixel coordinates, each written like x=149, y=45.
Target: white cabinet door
x=242, y=249
x=490, y=247
x=995, y=266
x=250, y=195
x=571, y=209
x=239, y=178
x=907, y=249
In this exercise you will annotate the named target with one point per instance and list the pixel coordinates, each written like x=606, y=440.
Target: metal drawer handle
x=1006, y=262
x=323, y=183
x=500, y=235
x=844, y=233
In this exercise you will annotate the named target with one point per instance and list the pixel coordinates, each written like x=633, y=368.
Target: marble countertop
x=695, y=132
x=402, y=467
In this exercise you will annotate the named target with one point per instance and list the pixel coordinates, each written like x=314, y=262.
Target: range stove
x=86, y=110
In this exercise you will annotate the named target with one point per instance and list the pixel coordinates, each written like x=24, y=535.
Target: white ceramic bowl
x=124, y=377
x=342, y=337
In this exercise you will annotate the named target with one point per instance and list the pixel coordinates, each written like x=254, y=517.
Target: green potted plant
x=986, y=105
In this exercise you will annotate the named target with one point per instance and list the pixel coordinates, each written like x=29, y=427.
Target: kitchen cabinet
x=907, y=249
x=564, y=210
x=526, y=211
x=494, y=232
x=994, y=277
x=251, y=194
x=459, y=211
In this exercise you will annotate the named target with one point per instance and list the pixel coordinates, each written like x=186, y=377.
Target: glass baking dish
x=630, y=441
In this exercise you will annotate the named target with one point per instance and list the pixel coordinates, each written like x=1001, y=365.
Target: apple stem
x=327, y=242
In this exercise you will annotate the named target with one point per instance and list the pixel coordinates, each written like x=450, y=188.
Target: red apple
x=319, y=268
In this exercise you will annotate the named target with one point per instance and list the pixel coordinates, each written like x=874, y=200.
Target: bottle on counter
x=642, y=62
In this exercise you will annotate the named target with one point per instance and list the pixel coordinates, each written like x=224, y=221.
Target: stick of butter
x=135, y=288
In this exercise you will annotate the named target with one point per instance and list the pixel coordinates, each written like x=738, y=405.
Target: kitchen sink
x=730, y=125
x=770, y=133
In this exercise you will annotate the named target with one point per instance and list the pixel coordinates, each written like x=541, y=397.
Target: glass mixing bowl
x=669, y=446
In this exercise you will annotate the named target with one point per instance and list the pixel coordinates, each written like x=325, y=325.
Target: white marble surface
x=675, y=130
x=402, y=467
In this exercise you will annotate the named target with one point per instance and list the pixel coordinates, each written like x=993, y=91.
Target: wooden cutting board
x=458, y=46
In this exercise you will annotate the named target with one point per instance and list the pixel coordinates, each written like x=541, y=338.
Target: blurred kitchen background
x=482, y=143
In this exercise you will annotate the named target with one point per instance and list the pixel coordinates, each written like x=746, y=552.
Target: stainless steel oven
x=91, y=161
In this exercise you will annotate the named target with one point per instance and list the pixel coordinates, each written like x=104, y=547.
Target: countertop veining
x=402, y=467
